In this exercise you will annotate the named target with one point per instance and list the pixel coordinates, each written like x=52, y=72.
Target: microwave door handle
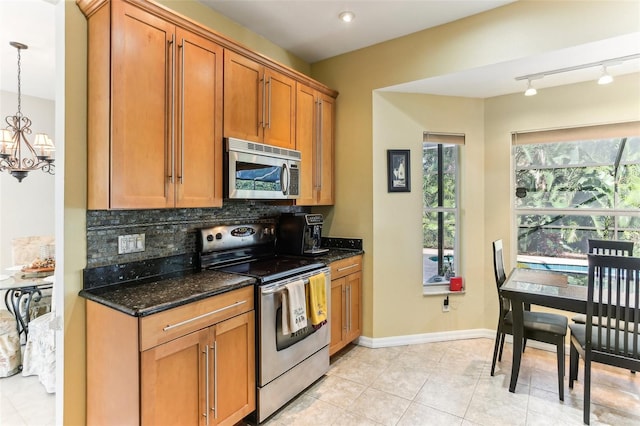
x=284, y=179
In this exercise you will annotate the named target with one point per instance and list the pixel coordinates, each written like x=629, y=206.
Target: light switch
x=130, y=243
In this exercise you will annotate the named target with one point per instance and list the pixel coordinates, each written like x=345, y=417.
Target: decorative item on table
x=39, y=268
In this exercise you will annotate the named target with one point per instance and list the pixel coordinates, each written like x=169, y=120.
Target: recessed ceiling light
x=347, y=16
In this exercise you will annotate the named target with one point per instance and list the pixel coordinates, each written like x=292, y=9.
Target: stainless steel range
x=285, y=364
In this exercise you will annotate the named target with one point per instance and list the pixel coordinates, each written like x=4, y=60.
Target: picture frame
x=398, y=170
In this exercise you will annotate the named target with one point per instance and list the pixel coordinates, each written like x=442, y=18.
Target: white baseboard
x=415, y=339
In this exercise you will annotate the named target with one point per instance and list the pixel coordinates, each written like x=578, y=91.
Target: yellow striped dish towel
x=317, y=299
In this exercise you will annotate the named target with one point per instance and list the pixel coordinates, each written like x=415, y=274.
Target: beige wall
x=398, y=305
x=75, y=202
x=521, y=29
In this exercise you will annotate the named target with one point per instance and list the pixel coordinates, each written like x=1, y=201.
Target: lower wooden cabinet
x=346, y=302
x=203, y=377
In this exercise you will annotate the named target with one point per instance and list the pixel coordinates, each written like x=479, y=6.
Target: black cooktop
x=272, y=269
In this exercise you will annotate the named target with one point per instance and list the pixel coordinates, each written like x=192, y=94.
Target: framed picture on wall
x=398, y=171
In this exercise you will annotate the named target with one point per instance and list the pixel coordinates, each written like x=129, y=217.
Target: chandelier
x=17, y=155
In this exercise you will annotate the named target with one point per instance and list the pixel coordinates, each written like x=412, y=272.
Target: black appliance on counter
x=300, y=234
x=286, y=364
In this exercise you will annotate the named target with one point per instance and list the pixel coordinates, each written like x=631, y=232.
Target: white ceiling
x=323, y=35
x=30, y=22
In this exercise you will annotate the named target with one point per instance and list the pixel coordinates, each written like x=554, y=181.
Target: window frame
x=455, y=141
x=614, y=131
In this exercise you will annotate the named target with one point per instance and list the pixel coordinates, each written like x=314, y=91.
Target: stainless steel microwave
x=258, y=171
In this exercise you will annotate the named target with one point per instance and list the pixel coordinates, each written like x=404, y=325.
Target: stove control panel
x=227, y=237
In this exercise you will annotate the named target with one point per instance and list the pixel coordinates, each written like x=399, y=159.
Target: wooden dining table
x=566, y=291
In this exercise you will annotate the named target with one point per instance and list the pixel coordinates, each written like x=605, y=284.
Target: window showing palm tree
x=569, y=192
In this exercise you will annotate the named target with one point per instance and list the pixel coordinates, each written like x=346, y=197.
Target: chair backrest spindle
x=613, y=306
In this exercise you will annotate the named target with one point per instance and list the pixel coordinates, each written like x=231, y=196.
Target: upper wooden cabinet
x=159, y=105
x=259, y=103
x=155, y=112
x=315, y=112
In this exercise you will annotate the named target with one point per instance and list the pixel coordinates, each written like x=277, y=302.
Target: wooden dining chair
x=610, y=248
x=539, y=326
x=613, y=297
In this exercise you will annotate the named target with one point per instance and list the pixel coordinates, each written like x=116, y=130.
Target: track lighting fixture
x=605, y=78
x=530, y=90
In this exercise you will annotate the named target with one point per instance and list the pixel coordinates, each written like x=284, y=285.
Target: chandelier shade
x=17, y=156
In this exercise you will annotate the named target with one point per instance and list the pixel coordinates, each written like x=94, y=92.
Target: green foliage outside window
x=570, y=192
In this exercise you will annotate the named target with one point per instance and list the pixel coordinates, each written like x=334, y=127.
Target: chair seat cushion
x=582, y=319
x=579, y=332
x=542, y=321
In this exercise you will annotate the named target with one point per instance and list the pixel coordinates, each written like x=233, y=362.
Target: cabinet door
x=280, y=120
x=338, y=315
x=173, y=381
x=314, y=138
x=243, y=98
x=198, y=142
x=306, y=130
x=354, y=289
x=234, y=383
x=325, y=150
x=142, y=52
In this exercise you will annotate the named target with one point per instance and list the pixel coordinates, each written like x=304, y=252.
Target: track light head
x=530, y=89
x=605, y=78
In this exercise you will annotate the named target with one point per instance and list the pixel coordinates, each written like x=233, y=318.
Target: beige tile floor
x=24, y=402
x=445, y=383
x=449, y=383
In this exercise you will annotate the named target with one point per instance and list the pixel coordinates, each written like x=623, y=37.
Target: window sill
x=438, y=289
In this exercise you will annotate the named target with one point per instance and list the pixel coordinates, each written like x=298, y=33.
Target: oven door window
x=282, y=341
x=258, y=177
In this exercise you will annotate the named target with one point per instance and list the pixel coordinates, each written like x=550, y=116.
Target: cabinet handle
x=319, y=159
x=269, y=105
x=264, y=94
x=206, y=383
x=348, y=267
x=215, y=381
x=172, y=96
x=318, y=163
x=344, y=310
x=181, y=175
x=187, y=321
x=349, y=308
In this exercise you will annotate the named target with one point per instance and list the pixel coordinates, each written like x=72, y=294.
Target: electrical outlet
x=445, y=305
x=130, y=243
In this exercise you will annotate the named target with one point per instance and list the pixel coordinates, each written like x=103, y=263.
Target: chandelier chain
x=19, y=84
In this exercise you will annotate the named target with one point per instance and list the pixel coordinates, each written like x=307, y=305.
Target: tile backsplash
x=168, y=232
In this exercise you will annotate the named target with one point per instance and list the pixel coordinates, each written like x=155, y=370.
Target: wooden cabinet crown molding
x=89, y=7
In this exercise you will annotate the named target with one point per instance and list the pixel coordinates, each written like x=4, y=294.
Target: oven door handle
x=279, y=288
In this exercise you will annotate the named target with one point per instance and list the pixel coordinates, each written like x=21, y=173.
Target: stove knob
x=218, y=236
x=209, y=237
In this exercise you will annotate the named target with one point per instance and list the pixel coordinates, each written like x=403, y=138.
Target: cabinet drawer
x=347, y=266
x=168, y=325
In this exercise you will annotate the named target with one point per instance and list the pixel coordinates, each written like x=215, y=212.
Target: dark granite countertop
x=145, y=288
x=338, y=254
x=141, y=299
